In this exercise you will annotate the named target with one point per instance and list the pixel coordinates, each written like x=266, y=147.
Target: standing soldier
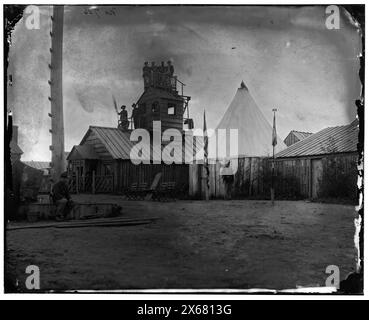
x=171, y=79
x=161, y=75
x=162, y=67
x=135, y=116
x=171, y=68
x=154, y=75
x=146, y=69
x=123, y=117
x=146, y=74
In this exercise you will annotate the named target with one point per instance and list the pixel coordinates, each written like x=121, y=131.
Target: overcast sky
x=286, y=56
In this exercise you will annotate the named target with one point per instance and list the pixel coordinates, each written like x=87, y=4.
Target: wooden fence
x=124, y=173
x=248, y=181
x=91, y=184
x=294, y=178
x=128, y=173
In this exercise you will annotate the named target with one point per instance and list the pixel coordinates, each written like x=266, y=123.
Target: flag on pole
x=115, y=105
x=10, y=126
x=116, y=109
x=206, y=161
x=8, y=168
x=274, y=137
x=274, y=143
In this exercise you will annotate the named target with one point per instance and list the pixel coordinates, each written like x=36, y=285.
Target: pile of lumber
x=104, y=222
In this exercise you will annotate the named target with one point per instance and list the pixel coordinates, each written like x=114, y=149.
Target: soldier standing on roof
x=134, y=116
x=123, y=117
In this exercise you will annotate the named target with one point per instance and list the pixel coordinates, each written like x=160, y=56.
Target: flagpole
x=116, y=108
x=273, y=161
x=206, y=163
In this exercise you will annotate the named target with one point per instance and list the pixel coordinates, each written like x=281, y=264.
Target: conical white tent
x=254, y=131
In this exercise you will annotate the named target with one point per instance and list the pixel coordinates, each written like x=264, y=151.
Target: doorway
x=316, y=176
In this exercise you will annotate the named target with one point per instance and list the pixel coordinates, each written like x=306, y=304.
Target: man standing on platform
x=135, y=116
x=123, y=116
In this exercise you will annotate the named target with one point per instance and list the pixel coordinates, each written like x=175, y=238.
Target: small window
x=155, y=107
x=142, y=108
x=107, y=169
x=171, y=109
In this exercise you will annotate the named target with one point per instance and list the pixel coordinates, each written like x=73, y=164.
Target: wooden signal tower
x=56, y=96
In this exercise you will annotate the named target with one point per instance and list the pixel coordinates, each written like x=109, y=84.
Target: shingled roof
x=40, y=165
x=301, y=135
x=14, y=148
x=329, y=140
x=86, y=152
x=164, y=94
x=118, y=144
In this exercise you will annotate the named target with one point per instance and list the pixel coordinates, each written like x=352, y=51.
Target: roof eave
x=313, y=155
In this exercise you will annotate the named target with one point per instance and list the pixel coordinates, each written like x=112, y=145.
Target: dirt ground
x=195, y=244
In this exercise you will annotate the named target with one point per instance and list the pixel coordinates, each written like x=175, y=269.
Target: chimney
x=15, y=134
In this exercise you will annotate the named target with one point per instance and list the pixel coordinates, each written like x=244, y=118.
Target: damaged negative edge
x=354, y=281
x=353, y=284
x=12, y=14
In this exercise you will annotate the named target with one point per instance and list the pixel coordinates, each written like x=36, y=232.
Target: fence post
x=205, y=178
x=251, y=177
x=93, y=182
x=77, y=183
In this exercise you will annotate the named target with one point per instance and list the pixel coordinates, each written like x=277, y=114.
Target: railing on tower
x=162, y=76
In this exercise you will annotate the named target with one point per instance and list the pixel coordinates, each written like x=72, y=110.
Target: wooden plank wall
x=293, y=178
x=247, y=181
x=253, y=178
x=194, y=180
x=128, y=173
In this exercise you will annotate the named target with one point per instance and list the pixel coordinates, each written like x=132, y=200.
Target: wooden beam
x=56, y=90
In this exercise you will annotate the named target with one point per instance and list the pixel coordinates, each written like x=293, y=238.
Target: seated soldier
x=61, y=198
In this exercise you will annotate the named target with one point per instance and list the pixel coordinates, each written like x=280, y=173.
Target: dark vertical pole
x=272, y=188
x=93, y=182
x=274, y=142
x=188, y=110
x=56, y=96
x=206, y=161
x=77, y=180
